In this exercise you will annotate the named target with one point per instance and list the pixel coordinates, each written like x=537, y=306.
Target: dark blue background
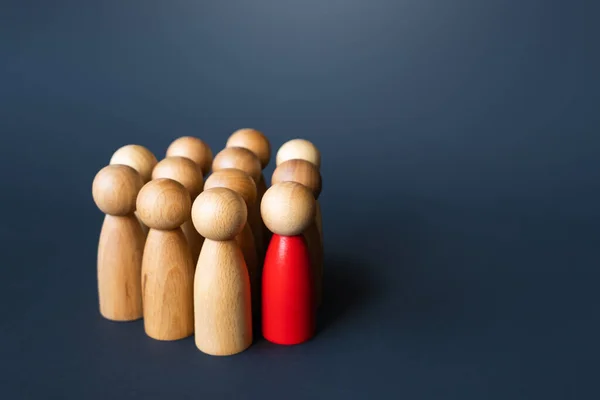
x=461, y=196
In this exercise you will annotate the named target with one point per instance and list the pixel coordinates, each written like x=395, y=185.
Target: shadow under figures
x=346, y=288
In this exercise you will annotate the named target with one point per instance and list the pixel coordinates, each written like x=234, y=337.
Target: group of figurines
x=198, y=245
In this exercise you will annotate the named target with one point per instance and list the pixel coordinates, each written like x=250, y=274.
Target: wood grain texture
x=241, y=183
x=219, y=213
x=120, y=251
x=253, y=140
x=167, y=267
x=138, y=157
x=288, y=208
x=222, y=291
x=114, y=190
x=235, y=179
x=238, y=158
x=301, y=171
x=244, y=160
x=257, y=142
x=163, y=204
x=193, y=148
x=222, y=300
x=307, y=174
x=167, y=285
x=189, y=174
x=182, y=170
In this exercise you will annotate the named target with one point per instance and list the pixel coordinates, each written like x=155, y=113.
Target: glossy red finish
x=288, y=307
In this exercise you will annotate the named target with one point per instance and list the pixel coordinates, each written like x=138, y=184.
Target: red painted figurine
x=288, y=297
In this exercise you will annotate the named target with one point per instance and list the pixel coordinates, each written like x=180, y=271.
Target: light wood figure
x=167, y=268
x=245, y=160
x=115, y=189
x=193, y=148
x=189, y=174
x=288, y=291
x=222, y=293
x=241, y=183
x=302, y=149
x=258, y=143
x=139, y=158
x=307, y=174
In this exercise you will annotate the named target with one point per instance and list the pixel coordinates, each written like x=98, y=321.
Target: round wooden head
x=137, y=157
x=163, y=204
x=115, y=189
x=236, y=180
x=300, y=171
x=238, y=158
x=299, y=148
x=219, y=214
x=288, y=208
x=193, y=148
x=182, y=170
x=253, y=140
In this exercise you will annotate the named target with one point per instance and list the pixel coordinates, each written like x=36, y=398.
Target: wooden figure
x=299, y=148
x=222, y=293
x=241, y=183
x=139, y=158
x=258, y=143
x=167, y=268
x=245, y=160
x=189, y=174
x=307, y=174
x=304, y=150
x=115, y=189
x=193, y=148
x=288, y=298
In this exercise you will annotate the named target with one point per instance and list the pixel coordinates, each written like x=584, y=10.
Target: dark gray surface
x=461, y=193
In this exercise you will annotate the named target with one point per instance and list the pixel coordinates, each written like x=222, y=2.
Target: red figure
x=288, y=297
x=288, y=309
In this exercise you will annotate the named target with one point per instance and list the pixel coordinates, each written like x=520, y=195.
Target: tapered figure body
x=245, y=160
x=307, y=174
x=241, y=183
x=121, y=244
x=167, y=267
x=222, y=292
x=139, y=158
x=288, y=296
x=189, y=174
